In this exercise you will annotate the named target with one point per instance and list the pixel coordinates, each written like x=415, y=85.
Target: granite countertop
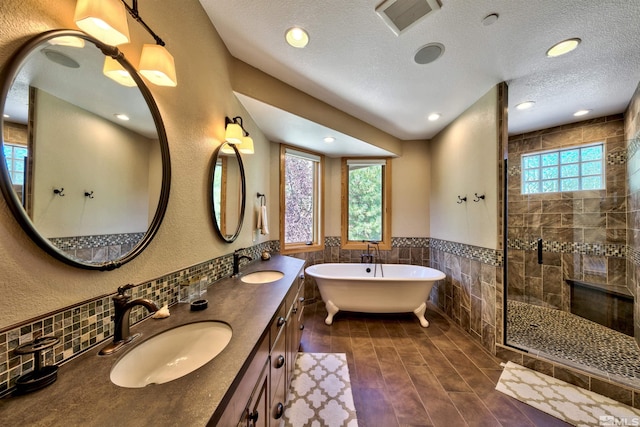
x=84, y=395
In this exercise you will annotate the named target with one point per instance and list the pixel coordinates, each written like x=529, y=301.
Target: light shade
x=114, y=70
x=246, y=147
x=105, y=20
x=234, y=134
x=157, y=65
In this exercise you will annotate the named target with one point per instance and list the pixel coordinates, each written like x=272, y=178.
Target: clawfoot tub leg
x=332, y=309
x=419, y=312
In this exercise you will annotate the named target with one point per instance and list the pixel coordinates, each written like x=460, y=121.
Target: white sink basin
x=171, y=354
x=262, y=276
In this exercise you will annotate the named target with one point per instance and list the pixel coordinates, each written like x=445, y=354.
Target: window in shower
x=570, y=169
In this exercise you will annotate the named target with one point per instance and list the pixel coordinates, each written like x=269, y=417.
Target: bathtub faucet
x=368, y=257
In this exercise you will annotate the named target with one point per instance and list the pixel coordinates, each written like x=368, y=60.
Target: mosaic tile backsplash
x=84, y=325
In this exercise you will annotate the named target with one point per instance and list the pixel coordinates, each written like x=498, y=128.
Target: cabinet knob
x=281, y=321
x=301, y=327
x=295, y=310
x=301, y=299
x=279, y=411
x=253, y=416
x=280, y=362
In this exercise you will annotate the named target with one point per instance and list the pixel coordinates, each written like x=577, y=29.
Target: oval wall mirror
x=85, y=160
x=227, y=190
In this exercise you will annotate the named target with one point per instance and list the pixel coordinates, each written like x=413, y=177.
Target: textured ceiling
x=355, y=63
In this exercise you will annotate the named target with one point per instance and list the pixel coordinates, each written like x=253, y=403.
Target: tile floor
x=406, y=375
x=574, y=341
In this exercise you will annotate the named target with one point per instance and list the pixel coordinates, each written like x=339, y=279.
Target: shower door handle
x=539, y=251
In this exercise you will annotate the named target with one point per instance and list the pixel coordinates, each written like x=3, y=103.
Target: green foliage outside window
x=365, y=202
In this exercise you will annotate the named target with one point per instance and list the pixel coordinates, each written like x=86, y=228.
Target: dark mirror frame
x=214, y=159
x=7, y=76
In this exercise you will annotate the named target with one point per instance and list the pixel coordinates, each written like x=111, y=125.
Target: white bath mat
x=320, y=392
x=567, y=402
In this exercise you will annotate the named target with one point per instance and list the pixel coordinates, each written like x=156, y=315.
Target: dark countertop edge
x=84, y=394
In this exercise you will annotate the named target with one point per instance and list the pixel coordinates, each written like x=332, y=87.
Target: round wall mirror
x=85, y=162
x=227, y=190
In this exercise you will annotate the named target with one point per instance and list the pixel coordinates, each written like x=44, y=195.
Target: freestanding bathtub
x=375, y=288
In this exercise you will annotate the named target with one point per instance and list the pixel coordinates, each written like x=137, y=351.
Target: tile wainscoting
x=88, y=323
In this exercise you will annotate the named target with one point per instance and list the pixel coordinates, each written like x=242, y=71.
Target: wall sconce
x=236, y=134
x=106, y=20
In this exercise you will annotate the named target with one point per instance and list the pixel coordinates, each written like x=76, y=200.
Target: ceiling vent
x=399, y=15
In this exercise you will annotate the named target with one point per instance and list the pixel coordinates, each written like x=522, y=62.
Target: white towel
x=263, y=225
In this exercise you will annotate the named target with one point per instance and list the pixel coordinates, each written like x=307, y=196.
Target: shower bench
x=609, y=306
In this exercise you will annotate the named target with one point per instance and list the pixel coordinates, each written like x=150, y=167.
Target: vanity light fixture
x=237, y=135
x=581, y=113
x=116, y=72
x=246, y=147
x=297, y=37
x=433, y=117
x=234, y=131
x=563, y=47
x=525, y=105
x=106, y=20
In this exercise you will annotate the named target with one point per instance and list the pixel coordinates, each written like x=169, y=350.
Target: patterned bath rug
x=567, y=402
x=320, y=392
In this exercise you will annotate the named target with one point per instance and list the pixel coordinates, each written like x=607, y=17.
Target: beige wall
x=113, y=163
x=464, y=161
x=34, y=283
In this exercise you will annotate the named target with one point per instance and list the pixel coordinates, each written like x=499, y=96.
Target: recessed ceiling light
x=433, y=117
x=329, y=139
x=581, y=113
x=6, y=116
x=121, y=116
x=297, y=37
x=563, y=47
x=525, y=105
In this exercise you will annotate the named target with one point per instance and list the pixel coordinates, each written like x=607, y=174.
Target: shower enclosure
x=567, y=296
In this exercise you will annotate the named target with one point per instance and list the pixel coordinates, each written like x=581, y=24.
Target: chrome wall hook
x=461, y=199
x=88, y=194
x=59, y=191
x=478, y=198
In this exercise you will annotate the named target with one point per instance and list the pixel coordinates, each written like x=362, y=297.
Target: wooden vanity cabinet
x=260, y=397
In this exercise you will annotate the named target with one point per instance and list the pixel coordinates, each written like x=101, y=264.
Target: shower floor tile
x=573, y=340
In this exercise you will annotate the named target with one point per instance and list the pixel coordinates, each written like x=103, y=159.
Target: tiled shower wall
x=632, y=129
x=584, y=233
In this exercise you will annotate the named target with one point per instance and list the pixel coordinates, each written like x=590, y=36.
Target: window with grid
x=15, y=155
x=570, y=169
